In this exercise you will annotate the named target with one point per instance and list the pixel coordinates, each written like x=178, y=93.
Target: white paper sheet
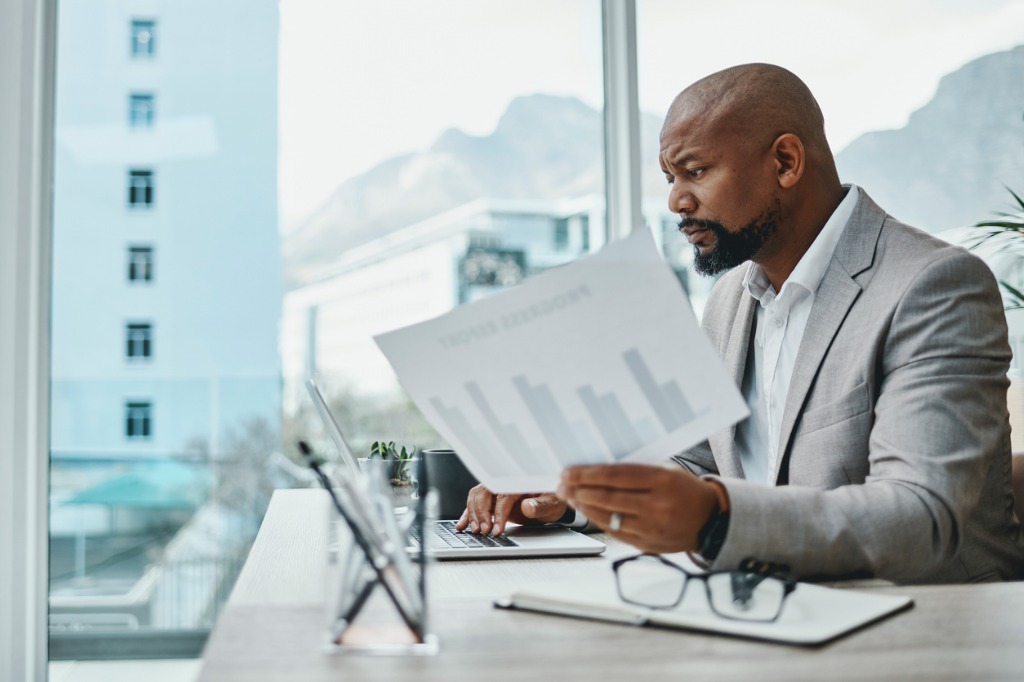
x=600, y=360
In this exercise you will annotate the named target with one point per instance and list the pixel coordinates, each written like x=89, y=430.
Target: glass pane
x=318, y=172
x=449, y=161
x=166, y=397
x=915, y=94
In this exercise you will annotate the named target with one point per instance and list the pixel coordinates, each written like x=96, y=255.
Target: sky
x=361, y=82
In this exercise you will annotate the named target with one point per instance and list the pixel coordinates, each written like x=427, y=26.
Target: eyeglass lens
x=740, y=595
x=746, y=596
x=646, y=580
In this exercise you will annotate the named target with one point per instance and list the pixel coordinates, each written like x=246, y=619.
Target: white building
x=166, y=299
x=166, y=274
x=427, y=269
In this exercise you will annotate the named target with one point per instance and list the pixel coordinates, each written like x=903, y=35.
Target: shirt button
x=778, y=322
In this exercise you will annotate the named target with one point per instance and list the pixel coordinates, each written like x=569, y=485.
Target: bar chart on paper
x=610, y=427
x=598, y=361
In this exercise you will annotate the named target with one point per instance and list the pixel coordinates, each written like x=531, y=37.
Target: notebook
x=811, y=615
x=444, y=542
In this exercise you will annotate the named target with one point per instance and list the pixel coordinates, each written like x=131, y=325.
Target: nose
x=681, y=200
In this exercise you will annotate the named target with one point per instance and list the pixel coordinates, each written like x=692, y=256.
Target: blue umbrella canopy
x=151, y=485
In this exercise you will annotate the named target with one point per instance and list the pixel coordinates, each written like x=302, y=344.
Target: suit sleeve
x=698, y=460
x=939, y=421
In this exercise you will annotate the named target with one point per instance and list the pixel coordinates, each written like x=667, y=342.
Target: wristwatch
x=712, y=535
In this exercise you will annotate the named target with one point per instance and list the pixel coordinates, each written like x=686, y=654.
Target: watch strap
x=712, y=535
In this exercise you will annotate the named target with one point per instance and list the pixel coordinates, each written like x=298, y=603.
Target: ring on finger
x=615, y=522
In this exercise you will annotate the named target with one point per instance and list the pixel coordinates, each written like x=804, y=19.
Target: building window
x=139, y=340
x=140, y=110
x=138, y=419
x=140, y=263
x=561, y=234
x=140, y=188
x=143, y=38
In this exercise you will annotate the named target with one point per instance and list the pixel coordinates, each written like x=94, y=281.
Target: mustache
x=704, y=224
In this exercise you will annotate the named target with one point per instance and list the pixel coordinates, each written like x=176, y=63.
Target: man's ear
x=789, y=157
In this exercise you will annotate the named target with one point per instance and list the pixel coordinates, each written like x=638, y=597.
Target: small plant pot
x=403, y=494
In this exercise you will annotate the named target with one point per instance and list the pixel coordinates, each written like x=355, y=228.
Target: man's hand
x=662, y=509
x=488, y=513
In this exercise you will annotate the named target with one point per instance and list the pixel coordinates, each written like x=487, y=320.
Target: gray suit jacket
x=894, y=457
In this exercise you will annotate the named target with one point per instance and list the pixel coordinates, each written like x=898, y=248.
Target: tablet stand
x=368, y=565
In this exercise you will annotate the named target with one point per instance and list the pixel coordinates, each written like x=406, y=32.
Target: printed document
x=597, y=361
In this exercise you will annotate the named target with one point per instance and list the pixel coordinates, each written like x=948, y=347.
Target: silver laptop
x=444, y=542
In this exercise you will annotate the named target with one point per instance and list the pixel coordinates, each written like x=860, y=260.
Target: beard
x=731, y=248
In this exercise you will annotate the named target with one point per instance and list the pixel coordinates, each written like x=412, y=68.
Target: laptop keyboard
x=442, y=535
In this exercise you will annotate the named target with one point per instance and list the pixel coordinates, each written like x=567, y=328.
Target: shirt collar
x=810, y=270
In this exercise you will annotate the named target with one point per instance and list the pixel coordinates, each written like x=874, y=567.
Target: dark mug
x=451, y=478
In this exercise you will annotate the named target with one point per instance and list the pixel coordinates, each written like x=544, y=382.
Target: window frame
x=28, y=43
x=138, y=337
x=141, y=117
x=27, y=59
x=141, y=181
x=149, y=51
x=138, y=413
x=141, y=264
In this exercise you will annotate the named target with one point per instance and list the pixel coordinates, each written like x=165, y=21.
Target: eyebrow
x=682, y=161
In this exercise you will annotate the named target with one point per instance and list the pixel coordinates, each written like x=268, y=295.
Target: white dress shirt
x=779, y=326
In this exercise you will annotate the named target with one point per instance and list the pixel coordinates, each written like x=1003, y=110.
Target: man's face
x=721, y=187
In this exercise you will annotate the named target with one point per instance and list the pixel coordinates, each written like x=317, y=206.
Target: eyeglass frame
x=759, y=569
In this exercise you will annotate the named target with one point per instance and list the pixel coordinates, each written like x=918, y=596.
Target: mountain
x=543, y=147
x=949, y=166
x=946, y=168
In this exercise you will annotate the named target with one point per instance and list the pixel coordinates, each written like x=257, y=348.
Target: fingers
x=546, y=508
x=479, y=504
x=486, y=512
x=503, y=507
x=657, y=508
x=623, y=476
x=608, y=499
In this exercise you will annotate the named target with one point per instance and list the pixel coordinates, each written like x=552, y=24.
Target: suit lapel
x=723, y=443
x=832, y=301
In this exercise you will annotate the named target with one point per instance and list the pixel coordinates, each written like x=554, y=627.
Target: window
x=140, y=188
x=140, y=110
x=143, y=38
x=200, y=482
x=561, y=234
x=139, y=341
x=140, y=263
x=138, y=419
x=892, y=117
x=186, y=499
x=243, y=65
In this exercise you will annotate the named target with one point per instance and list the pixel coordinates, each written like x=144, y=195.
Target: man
x=873, y=358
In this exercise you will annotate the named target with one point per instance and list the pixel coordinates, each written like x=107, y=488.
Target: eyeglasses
x=753, y=593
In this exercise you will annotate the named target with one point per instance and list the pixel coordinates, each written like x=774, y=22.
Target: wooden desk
x=271, y=628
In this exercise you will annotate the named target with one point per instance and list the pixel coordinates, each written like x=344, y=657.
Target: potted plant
x=1006, y=233
x=399, y=470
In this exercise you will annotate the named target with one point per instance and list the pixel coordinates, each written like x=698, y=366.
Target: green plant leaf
x=1016, y=296
x=1020, y=202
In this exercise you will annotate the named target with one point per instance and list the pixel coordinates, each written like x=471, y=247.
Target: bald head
x=749, y=168
x=755, y=102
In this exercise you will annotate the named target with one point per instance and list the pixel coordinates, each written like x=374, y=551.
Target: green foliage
x=1009, y=232
x=399, y=458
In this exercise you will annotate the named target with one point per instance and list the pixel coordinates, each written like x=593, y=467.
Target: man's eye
x=695, y=172
x=669, y=178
